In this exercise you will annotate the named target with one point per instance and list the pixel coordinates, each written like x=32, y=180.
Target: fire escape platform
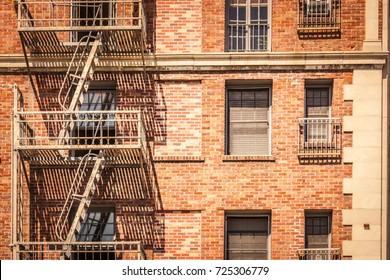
x=57, y=27
x=120, y=135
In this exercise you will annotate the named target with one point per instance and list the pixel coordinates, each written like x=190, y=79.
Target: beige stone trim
x=366, y=156
x=372, y=42
x=208, y=61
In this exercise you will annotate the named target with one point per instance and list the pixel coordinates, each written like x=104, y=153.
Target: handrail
x=53, y=250
x=319, y=254
x=46, y=15
x=88, y=38
x=82, y=57
x=74, y=190
x=319, y=136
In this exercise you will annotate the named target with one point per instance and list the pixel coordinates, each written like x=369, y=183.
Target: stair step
x=78, y=196
x=75, y=76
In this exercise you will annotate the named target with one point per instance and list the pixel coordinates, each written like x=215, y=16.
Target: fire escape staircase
x=88, y=174
x=85, y=183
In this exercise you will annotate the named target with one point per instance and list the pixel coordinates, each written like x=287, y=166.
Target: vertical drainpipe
x=14, y=176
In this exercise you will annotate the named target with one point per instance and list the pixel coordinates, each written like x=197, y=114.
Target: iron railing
x=97, y=130
x=317, y=15
x=119, y=250
x=319, y=254
x=80, y=15
x=319, y=137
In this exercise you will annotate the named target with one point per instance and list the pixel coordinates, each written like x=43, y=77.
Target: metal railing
x=248, y=37
x=80, y=15
x=319, y=136
x=319, y=254
x=319, y=15
x=119, y=250
x=97, y=130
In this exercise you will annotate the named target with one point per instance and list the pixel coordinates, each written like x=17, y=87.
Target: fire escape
x=71, y=134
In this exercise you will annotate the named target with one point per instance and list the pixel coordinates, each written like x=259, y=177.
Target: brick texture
x=177, y=207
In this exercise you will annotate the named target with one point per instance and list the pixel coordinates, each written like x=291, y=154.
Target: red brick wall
x=283, y=186
x=6, y=107
x=10, y=43
x=182, y=235
x=178, y=26
x=181, y=111
x=195, y=26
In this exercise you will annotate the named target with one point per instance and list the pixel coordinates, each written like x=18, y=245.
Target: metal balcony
x=320, y=137
x=319, y=17
x=114, y=132
x=120, y=250
x=319, y=254
x=55, y=26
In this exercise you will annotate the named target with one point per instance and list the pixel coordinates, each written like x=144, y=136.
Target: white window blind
x=249, y=112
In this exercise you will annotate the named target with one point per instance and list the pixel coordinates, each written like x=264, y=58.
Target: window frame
x=318, y=85
x=247, y=87
x=85, y=251
x=97, y=209
x=247, y=215
x=79, y=14
x=319, y=214
x=247, y=32
x=109, y=88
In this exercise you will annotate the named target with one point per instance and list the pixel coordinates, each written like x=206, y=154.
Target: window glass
x=248, y=127
x=247, y=238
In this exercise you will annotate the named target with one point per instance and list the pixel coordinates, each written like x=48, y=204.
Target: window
x=317, y=229
x=98, y=226
x=318, y=232
x=248, y=25
x=96, y=128
x=318, y=112
x=318, y=16
x=247, y=238
x=91, y=13
x=248, y=130
x=319, y=135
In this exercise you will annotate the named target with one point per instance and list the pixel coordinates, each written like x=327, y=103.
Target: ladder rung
x=78, y=196
x=75, y=76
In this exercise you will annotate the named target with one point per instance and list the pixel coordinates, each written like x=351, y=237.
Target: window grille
x=319, y=16
x=248, y=25
x=98, y=226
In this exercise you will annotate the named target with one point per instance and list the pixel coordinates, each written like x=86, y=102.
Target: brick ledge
x=229, y=158
x=178, y=159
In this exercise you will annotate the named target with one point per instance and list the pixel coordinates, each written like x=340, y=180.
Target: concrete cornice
x=208, y=62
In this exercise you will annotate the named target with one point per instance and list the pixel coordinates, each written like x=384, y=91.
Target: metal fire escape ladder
x=77, y=193
x=85, y=198
x=80, y=84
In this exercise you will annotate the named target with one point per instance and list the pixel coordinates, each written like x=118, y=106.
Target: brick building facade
x=236, y=129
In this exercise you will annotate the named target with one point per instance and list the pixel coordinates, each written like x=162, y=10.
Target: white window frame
x=247, y=35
